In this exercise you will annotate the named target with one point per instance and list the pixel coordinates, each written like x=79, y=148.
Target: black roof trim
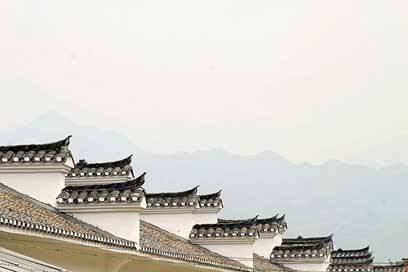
x=308, y=240
x=340, y=250
x=192, y=191
x=128, y=185
x=37, y=147
x=120, y=163
x=211, y=196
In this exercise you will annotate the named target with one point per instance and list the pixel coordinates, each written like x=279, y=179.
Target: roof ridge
x=192, y=191
x=122, y=162
x=130, y=184
x=212, y=195
x=35, y=147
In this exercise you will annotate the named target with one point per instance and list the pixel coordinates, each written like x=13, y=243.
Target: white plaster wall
x=309, y=266
x=122, y=224
x=180, y=224
x=264, y=245
x=44, y=186
x=205, y=218
x=242, y=253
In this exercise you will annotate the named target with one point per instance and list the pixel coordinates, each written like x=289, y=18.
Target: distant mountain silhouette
x=358, y=204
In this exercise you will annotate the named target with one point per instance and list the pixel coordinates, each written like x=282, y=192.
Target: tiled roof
x=354, y=256
x=354, y=259
x=50, y=152
x=187, y=198
x=274, y=224
x=20, y=211
x=211, y=200
x=262, y=264
x=130, y=191
x=398, y=267
x=114, y=168
x=315, y=247
x=156, y=241
x=13, y=261
x=226, y=229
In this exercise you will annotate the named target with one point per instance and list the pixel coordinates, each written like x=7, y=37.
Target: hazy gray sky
x=312, y=80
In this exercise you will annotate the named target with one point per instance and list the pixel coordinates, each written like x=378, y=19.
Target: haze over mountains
x=358, y=204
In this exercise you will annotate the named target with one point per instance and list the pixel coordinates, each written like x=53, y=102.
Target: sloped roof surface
x=262, y=264
x=154, y=240
x=23, y=212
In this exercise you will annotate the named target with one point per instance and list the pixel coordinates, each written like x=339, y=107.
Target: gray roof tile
x=36, y=153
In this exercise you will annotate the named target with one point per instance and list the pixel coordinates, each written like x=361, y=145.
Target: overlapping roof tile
x=154, y=240
x=115, y=168
x=187, y=198
x=130, y=191
x=314, y=247
x=36, y=153
x=20, y=211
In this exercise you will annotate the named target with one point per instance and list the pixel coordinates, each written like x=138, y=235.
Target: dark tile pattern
x=314, y=247
x=238, y=228
x=187, y=198
x=130, y=191
x=55, y=152
x=354, y=259
x=115, y=168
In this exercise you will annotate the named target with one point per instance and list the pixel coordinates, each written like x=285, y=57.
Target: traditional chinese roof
x=211, y=200
x=187, y=198
x=274, y=224
x=130, y=191
x=156, y=241
x=351, y=259
x=354, y=256
x=21, y=212
x=115, y=168
x=36, y=153
x=397, y=267
x=313, y=247
x=13, y=261
x=262, y=264
x=245, y=228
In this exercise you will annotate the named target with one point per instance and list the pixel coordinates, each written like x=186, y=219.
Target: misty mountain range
x=358, y=204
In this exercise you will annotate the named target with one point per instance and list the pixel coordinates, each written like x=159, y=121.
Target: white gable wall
x=241, y=250
x=43, y=182
x=176, y=222
x=204, y=216
x=265, y=244
x=124, y=224
x=309, y=265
